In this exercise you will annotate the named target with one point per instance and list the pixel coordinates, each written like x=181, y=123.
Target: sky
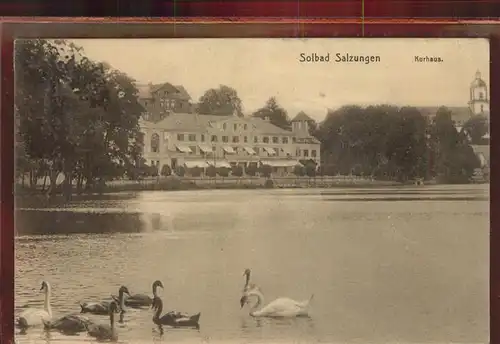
x=262, y=68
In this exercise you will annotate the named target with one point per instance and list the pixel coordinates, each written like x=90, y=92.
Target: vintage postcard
x=252, y=190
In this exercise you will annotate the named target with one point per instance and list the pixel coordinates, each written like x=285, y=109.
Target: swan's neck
x=260, y=300
x=154, y=291
x=121, y=297
x=247, y=280
x=158, y=311
x=112, y=319
x=46, y=303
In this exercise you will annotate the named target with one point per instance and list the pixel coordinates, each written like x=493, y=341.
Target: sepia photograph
x=252, y=190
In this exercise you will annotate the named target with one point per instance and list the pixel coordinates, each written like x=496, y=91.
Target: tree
x=276, y=114
x=299, y=170
x=88, y=126
x=454, y=160
x=221, y=101
x=476, y=128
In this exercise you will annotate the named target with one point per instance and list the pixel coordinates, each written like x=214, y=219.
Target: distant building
x=174, y=135
x=478, y=104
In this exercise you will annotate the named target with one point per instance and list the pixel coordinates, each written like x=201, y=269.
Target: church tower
x=479, y=104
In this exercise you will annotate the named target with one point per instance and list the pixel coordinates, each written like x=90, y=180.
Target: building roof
x=266, y=127
x=302, y=116
x=146, y=91
x=199, y=123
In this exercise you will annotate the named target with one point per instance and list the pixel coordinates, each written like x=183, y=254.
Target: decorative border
x=224, y=28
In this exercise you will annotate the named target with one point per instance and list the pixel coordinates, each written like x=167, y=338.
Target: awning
x=205, y=148
x=183, y=149
x=486, y=136
x=195, y=163
x=229, y=150
x=280, y=163
x=249, y=150
x=270, y=151
x=219, y=163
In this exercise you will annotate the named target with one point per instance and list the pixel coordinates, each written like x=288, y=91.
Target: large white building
x=174, y=135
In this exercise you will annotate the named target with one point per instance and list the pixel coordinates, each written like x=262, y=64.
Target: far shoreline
x=30, y=197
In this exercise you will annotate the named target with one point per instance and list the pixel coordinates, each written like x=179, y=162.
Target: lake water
x=392, y=265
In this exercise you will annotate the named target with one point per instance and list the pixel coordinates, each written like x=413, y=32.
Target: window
x=214, y=138
x=180, y=137
x=265, y=139
x=235, y=149
x=193, y=149
x=236, y=139
x=294, y=139
x=235, y=127
x=255, y=139
x=214, y=148
x=306, y=153
x=192, y=137
x=481, y=95
x=297, y=152
x=277, y=151
x=482, y=108
x=313, y=153
x=224, y=126
x=256, y=149
x=284, y=140
x=202, y=138
x=245, y=126
x=225, y=138
x=275, y=139
x=155, y=143
x=145, y=103
x=245, y=139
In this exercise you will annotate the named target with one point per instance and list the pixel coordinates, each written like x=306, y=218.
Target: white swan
x=36, y=317
x=281, y=307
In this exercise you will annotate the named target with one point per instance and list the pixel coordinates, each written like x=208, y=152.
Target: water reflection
x=393, y=265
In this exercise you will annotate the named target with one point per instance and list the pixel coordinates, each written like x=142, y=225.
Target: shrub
x=166, y=171
x=251, y=170
x=310, y=170
x=266, y=170
x=223, y=171
x=195, y=171
x=269, y=184
x=237, y=171
x=180, y=171
x=211, y=171
x=298, y=170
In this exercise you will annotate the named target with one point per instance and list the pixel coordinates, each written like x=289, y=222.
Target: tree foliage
x=476, y=128
x=276, y=114
x=221, y=101
x=388, y=142
x=76, y=116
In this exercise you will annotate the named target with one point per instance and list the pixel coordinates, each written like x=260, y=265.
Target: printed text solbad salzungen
x=338, y=57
